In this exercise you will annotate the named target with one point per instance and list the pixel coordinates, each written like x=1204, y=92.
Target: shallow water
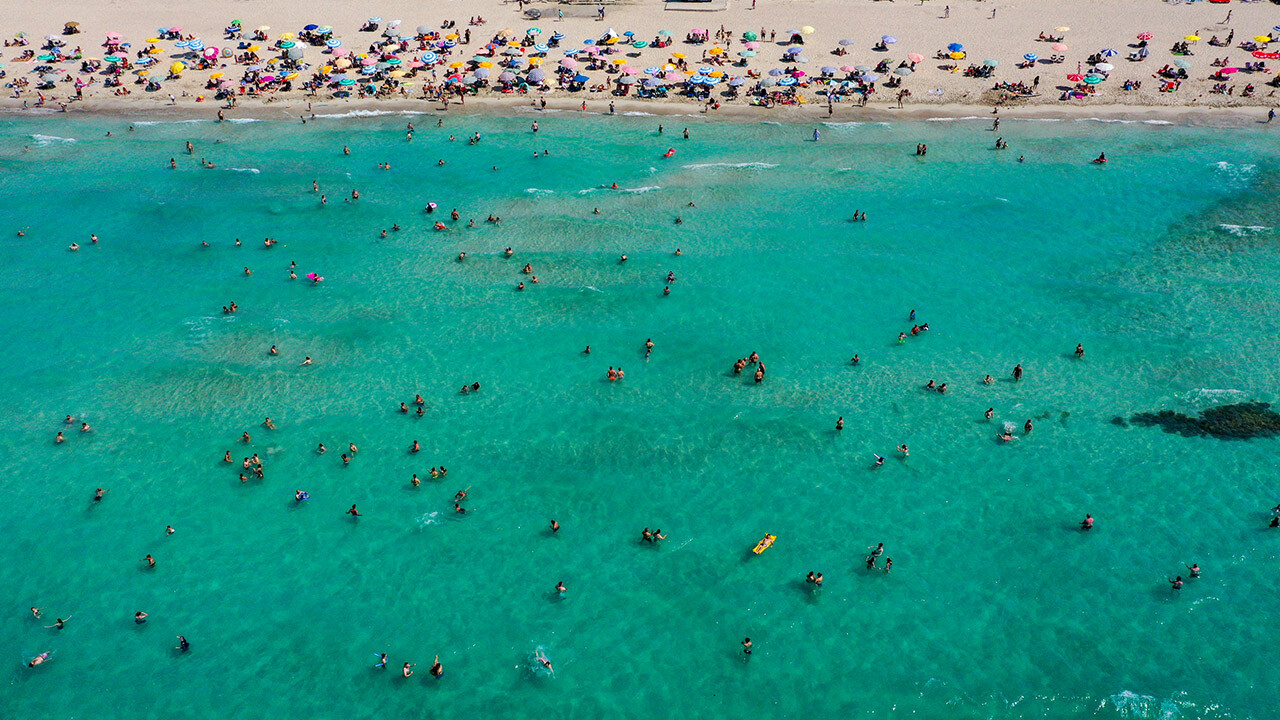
x=1162, y=263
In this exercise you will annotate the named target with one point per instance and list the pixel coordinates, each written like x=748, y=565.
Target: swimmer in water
x=437, y=670
x=1079, y=350
x=406, y=671
x=183, y=645
x=555, y=526
x=353, y=512
x=139, y=617
x=560, y=588
x=989, y=413
x=1087, y=523
x=97, y=495
x=39, y=659
x=1194, y=569
x=540, y=657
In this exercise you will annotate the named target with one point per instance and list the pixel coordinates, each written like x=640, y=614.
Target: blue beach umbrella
x=482, y=72
x=650, y=83
x=747, y=53
x=736, y=82
x=540, y=47
x=558, y=36
x=651, y=70
x=324, y=29
x=888, y=39
x=786, y=81
x=829, y=70
x=704, y=71
x=1031, y=57
x=309, y=28
x=868, y=77
x=775, y=72
x=1109, y=52
x=450, y=43
x=537, y=75
x=182, y=43
x=629, y=33
x=375, y=19
x=333, y=43
x=1276, y=30
x=955, y=47
x=430, y=58
x=581, y=78
x=793, y=50
x=709, y=81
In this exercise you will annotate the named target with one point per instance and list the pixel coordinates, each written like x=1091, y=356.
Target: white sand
x=919, y=27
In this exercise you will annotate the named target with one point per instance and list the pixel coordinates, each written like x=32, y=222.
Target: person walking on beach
x=1271, y=115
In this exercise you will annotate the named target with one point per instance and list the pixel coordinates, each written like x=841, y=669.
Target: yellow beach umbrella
x=668, y=67
x=253, y=48
x=455, y=65
x=286, y=36
x=451, y=36
x=291, y=76
x=155, y=51
x=177, y=68
x=957, y=56
x=535, y=61
x=678, y=55
x=215, y=76
x=326, y=69
x=807, y=30
x=143, y=73
x=154, y=40
x=483, y=64
x=1262, y=38
x=1064, y=28
x=619, y=61
x=1192, y=38
x=716, y=51
x=393, y=73
x=512, y=43
x=716, y=73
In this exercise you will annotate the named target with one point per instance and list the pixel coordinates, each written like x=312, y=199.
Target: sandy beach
x=996, y=39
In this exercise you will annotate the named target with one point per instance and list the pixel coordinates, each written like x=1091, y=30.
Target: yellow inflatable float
x=765, y=543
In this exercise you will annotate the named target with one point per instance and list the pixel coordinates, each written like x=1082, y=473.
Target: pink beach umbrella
x=847, y=68
x=1059, y=47
x=369, y=61
x=672, y=77
x=915, y=57
x=1145, y=36
x=341, y=52
x=752, y=45
x=113, y=35
x=568, y=63
x=628, y=70
x=226, y=85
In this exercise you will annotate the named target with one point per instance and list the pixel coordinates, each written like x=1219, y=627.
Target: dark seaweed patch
x=1225, y=422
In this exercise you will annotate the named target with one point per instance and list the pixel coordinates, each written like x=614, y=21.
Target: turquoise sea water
x=1163, y=263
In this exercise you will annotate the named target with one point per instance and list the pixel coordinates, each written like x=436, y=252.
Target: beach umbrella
x=747, y=53
x=807, y=30
x=672, y=76
x=1262, y=38
x=341, y=52
x=991, y=62
x=903, y=71
x=630, y=71
x=423, y=29
x=395, y=23
x=751, y=45
x=288, y=44
x=888, y=39
x=787, y=81
x=537, y=76
x=507, y=77
x=736, y=82
x=261, y=28
x=324, y=29
x=704, y=71
x=1191, y=38
x=333, y=43
x=650, y=83
x=651, y=70
x=568, y=63
x=868, y=77
x=347, y=82
x=1109, y=52
x=1059, y=47
x=793, y=50
x=581, y=78
x=113, y=58
x=628, y=80
x=342, y=62
x=1229, y=70
x=768, y=82
x=1105, y=67
x=177, y=68
x=394, y=61
x=506, y=32
x=449, y=43
x=309, y=28
x=828, y=70
x=182, y=43
x=1276, y=29
x=541, y=48
x=956, y=56
x=50, y=77
x=862, y=68
x=430, y=58
x=482, y=73
x=1184, y=64
x=775, y=72
x=1092, y=79
x=1145, y=36
x=748, y=35
x=1031, y=57
x=915, y=57
x=533, y=31
x=294, y=53
x=955, y=47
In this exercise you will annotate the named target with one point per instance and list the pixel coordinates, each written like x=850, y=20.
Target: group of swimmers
x=752, y=359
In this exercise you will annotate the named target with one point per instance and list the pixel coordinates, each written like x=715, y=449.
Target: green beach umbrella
x=533, y=31
x=1184, y=64
x=639, y=44
x=749, y=35
x=394, y=61
x=1093, y=79
x=288, y=44
x=347, y=82
x=667, y=33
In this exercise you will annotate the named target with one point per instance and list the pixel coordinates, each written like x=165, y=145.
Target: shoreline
x=1205, y=116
